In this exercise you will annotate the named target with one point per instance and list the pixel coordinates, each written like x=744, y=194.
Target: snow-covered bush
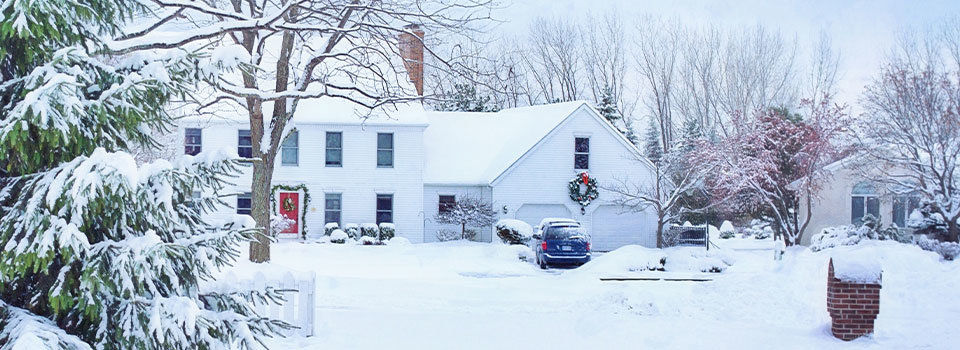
x=329, y=227
x=850, y=235
x=369, y=230
x=387, y=231
x=470, y=234
x=279, y=223
x=367, y=240
x=338, y=236
x=352, y=230
x=513, y=231
x=398, y=241
x=764, y=233
x=758, y=228
x=727, y=230
x=948, y=250
x=444, y=235
x=926, y=222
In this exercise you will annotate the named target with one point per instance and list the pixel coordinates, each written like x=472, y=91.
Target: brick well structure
x=853, y=306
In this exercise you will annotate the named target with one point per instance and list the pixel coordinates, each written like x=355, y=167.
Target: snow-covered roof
x=474, y=148
x=328, y=110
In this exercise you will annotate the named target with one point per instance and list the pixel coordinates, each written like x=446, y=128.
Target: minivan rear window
x=565, y=232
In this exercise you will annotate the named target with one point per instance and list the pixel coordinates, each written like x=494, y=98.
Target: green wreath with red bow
x=589, y=192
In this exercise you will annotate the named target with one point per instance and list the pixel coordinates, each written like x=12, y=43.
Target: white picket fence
x=298, y=309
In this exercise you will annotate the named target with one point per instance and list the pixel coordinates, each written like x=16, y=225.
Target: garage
x=613, y=229
x=533, y=213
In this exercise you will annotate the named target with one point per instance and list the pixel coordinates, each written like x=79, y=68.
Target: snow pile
x=512, y=231
x=634, y=258
x=857, y=267
x=399, y=241
x=832, y=237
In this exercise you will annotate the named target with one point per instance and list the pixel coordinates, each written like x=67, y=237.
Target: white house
x=400, y=166
x=849, y=194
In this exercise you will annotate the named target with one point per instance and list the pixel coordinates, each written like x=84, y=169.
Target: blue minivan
x=562, y=244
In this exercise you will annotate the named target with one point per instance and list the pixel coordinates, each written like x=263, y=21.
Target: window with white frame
x=581, y=153
x=903, y=206
x=334, y=150
x=384, y=208
x=384, y=150
x=244, y=201
x=446, y=202
x=290, y=149
x=332, y=208
x=244, y=144
x=192, y=141
x=863, y=200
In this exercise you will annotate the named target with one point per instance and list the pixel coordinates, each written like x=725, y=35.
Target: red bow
x=584, y=177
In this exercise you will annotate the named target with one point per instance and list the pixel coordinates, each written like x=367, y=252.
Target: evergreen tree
x=464, y=98
x=607, y=107
x=629, y=133
x=651, y=142
x=114, y=255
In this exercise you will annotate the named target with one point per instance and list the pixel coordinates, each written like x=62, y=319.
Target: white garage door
x=613, y=229
x=533, y=213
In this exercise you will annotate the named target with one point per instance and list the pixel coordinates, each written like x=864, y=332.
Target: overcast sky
x=861, y=30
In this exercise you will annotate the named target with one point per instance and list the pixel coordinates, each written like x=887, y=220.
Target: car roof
x=552, y=221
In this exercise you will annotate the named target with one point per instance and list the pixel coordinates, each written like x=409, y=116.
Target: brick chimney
x=411, y=50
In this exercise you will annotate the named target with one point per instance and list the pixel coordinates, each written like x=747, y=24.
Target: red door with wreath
x=290, y=208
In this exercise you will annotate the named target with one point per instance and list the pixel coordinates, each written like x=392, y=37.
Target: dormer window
x=581, y=153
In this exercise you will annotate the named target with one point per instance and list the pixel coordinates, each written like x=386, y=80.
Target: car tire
x=543, y=264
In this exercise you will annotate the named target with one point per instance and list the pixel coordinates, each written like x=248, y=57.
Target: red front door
x=290, y=208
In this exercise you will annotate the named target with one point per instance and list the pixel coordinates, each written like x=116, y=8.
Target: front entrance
x=290, y=209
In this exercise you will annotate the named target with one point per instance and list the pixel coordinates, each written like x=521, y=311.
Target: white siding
x=431, y=197
x=541, y=176
x=359, y=180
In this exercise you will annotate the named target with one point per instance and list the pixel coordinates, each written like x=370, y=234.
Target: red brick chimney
x=411, y=50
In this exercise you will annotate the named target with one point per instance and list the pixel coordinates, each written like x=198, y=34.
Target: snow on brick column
x=853, y=295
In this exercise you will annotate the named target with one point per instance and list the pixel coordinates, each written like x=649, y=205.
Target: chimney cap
x=413, y=27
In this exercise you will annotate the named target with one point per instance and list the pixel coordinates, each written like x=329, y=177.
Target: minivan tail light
x=543, y=245
x=588, y=246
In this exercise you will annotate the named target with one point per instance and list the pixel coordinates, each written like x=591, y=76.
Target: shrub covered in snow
x=470, y=234
x=444, y=235
x=758, y=229
x=338, y=236
x=948, y=250
x=727, y=230
x=513, y=231
x=369, y=230
x=329, y=227
x=850, y=235
x=387, y=231
x=352, y=230
x=367, y=240
x=279, y=223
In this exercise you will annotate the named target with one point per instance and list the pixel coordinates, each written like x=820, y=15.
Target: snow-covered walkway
x=478, y=296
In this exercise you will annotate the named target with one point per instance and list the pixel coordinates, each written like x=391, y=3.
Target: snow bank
x=634, y=258
x=857, y=267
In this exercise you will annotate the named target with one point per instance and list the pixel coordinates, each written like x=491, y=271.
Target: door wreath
x=589, y=194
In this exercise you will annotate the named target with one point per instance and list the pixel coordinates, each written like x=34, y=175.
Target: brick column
x=853, y=306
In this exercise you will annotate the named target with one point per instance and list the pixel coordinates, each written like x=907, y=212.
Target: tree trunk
x=660, y=231
x=260, y=209
x=463, y=230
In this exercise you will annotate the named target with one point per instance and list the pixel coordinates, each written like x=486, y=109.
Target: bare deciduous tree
x=656, y=62
x=553, y=61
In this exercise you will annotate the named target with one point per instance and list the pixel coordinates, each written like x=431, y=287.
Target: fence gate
x=298, y=307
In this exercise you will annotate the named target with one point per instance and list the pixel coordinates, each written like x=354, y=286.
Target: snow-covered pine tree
x=629, y=133
x=96, y=250
x=651, y=142
x=607, y=106
x=464, y=98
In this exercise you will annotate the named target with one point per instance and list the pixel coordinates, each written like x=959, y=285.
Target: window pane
x=292, y=139
x=446, y=202
x=331, y=216
x=581, y=161
x=899, y=210
x=384, y=202
x=290, y=155
x=384, y=217
x=856, y=210
x=192, y=141
x=873, y=206
x=334, y=140
x=243, y=203
x=582, y=144
x=384, y=141
x=332, y=201
x=385, y=158
x=334, y=157
x=243, y=138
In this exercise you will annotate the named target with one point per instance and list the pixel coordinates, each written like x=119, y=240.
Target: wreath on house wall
x=589, y=194
x=306, y=203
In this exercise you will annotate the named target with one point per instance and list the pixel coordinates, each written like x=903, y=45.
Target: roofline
x=224, y=121
x=603, y=121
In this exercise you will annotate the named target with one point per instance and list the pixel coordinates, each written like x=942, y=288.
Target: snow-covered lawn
x=479, y=296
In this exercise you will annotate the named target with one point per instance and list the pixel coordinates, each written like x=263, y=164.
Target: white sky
x=862, y=30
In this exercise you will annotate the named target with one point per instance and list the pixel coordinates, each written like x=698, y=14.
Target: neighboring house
x=404, y=166
x=849, y=194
